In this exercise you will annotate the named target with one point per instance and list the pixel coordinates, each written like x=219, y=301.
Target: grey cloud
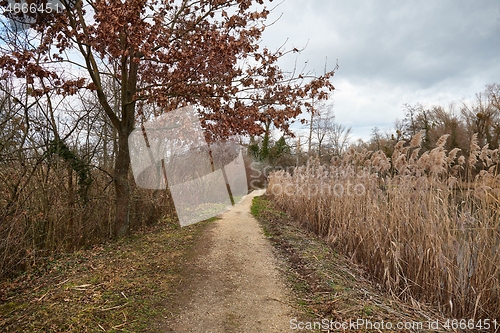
x=429, y=45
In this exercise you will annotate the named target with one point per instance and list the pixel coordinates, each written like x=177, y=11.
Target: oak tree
x=163, y=54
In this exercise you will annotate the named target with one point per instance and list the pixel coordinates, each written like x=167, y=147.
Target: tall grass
x=426, y=226
x=46, y=214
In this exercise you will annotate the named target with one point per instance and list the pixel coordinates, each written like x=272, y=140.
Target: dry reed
x=417, y=223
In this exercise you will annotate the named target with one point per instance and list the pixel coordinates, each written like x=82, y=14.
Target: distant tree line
x=327, y=139
x=459, y=120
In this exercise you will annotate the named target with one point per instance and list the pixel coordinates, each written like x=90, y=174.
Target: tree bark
x=122, y=186
x=122, y=164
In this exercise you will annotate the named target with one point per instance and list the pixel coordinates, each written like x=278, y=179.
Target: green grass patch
x=261, y=205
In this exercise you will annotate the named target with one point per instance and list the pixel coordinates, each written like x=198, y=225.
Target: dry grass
x=426, y=226
x=130, y=285
x=44, y=213
x=326, y=284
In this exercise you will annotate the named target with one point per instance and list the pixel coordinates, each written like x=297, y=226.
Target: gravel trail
x=234, y=283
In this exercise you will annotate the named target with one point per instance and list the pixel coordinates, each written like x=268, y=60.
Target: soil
x=234, y=282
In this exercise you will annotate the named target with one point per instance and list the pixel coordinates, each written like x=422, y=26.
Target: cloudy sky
x=392, y=52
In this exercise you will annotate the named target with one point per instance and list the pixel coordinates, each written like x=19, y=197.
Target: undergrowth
x=123, y=286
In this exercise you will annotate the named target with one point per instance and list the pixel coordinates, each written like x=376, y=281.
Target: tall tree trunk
x=122, y=186
x=122, y=171
x=122, y=165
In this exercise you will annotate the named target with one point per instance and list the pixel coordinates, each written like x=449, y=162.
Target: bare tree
x=323, y=125
x=483, y=118
x=447, y=121
x=339, y=138
x=331, y=137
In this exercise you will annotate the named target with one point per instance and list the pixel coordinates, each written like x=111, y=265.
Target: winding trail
x=234, y=283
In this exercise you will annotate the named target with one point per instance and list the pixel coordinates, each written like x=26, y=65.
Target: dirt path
x=234, y=284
